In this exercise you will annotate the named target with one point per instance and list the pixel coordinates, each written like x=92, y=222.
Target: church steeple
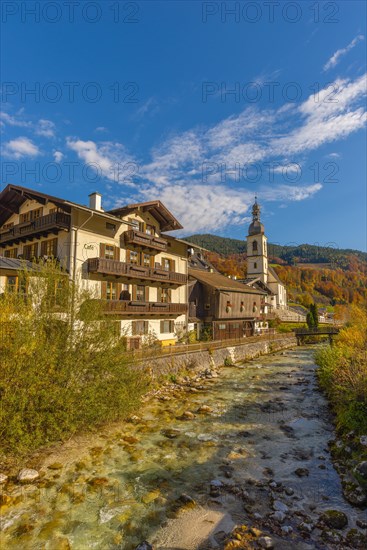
x=256, y=211
x=256, y=227
x=257, y=256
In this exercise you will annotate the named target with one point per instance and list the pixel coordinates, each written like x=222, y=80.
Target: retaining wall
x=208, y=359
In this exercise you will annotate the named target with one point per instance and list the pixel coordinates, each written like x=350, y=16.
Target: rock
x=289, y=491
x=355, y=494
x=98, y=481
x=287, y=529
x=356, y=539
x=3, y=478
x=27, y=475
x=265, y=542
x=186, y=499
x=55, y=466
x=278, y=516
x=204, y=409
x=144, y=546
x=363, y=440
x=334, y=519
x=361, y=524
x=130, y=439
x=361, y=469
x=305, y=527
x=279, y=506
x=187, y=415
x=171, y=433
x=134, y=419
x=302, y=472
x=216, y=483
x=329, y=535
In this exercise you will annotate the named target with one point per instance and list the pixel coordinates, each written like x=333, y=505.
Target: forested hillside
x=325, y=275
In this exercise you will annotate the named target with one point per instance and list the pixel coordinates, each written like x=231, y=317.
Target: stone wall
x=209, y=359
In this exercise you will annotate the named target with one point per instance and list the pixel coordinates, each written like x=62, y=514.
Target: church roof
x=272, y=272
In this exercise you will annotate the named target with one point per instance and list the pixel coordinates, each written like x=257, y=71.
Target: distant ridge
x=303, y=253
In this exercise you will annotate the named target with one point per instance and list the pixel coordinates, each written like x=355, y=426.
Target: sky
x=202, y=105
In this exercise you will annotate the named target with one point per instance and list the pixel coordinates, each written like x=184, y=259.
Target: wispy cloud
x=42, y=127
x=335, y=58
x=45, y=128
x=21, y=147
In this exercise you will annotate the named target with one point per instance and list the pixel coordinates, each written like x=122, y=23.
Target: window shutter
x=116, y=253
x=159, y=294
x=172, y=326
x=127, y=256
x=162, y=326
x=104, y=290
x=147, y=293
x=102, y=249
x=146, y=327
x=133, y=292
x=172, y=265
x=118, y=290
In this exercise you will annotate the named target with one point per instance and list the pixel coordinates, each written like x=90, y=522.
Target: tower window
x=254, y=246
x=255, y=265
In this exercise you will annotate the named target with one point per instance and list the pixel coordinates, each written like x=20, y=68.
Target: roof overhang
x=164, y=217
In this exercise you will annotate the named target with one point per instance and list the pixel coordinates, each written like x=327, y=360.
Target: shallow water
x=266, y=420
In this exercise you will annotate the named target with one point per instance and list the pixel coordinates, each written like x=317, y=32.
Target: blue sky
x=133, y=99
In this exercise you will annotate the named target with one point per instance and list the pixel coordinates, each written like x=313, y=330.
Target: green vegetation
x=59, y=373
x=313, y=317
x=342, y=374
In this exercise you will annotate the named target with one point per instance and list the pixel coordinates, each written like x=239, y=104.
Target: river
x=198, y=460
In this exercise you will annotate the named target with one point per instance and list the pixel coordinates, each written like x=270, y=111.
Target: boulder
x=265, y=542
x=335, y=519
x=279, y=506
x=144, y=546
x=363, y=440
x=27, y=475
x=361, y=469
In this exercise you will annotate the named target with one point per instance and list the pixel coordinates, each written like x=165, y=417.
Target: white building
x=258, y=268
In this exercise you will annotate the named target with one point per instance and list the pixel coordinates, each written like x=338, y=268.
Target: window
x=255, y=265
x=136, y=225
x=140, y=328
x=134, y=257
x=109, y=252
x=146, y=260
x=111, y=226
x=11, y=253
x=31, y=215
x=149, y=230
x=166, y=264
x=254, y=246
x=30, y=251
x=222, y=326
x=167, y=327
x=165, y=295
x=111, y=291
x=12, y=283
x=49, y=248
x=140, y=293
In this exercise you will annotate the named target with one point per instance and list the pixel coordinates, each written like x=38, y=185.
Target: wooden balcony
x=134, y=307
x=137, y=239
x=41, y=227
x=126, y=272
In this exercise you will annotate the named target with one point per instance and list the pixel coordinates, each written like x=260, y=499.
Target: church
x=259, y=273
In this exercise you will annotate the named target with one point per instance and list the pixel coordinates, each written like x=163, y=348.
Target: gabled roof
x=220, y=282
x=13, y=196
x=166, y=220
x=257, y=282
x=272, y=271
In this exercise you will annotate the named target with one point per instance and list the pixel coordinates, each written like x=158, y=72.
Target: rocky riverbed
x=231, y=459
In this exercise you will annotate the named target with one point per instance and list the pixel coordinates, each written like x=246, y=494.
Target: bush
x=342, y=374
x=59, y=374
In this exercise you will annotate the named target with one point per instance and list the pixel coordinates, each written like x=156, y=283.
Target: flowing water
x=261, y=422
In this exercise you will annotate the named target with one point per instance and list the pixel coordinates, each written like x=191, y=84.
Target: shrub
x=59, y=373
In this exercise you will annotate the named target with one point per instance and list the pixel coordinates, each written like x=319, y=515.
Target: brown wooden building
x=228, y=307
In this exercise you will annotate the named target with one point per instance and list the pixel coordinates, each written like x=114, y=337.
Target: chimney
x=95, y=201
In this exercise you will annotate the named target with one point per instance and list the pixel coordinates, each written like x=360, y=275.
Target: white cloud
x=45, y=128
x=101, y=129
x=334, y=59
x=108, y=159
x=58, y=156
x=13, y=120
x=20, y=148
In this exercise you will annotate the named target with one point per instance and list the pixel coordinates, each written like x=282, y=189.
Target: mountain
x=288, y=254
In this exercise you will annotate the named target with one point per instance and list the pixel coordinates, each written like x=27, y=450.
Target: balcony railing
x=135, y=307
x=134, y=238
x=36, y=228
x=127, y=271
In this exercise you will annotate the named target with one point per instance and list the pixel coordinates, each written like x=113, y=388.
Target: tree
x=313, y=317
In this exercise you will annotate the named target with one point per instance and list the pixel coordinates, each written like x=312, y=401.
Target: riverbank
x=243, y=446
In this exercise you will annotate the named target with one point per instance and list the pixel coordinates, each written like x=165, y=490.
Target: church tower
x=257, y=253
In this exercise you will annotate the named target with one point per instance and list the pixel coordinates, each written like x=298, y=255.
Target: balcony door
x=109, y=251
